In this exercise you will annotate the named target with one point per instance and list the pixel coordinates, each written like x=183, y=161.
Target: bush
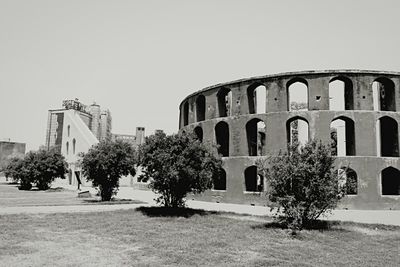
x=105, y=163
x=48, y=165
x=302, y=183
x=37, y=167
x=177, y=165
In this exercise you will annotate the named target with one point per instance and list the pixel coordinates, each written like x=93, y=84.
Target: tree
x=105, y=163
x=37, y=167
x=176, y=165
x=46, y=166
x=302, y=183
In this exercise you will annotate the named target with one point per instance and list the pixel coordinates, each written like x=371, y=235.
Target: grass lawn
x=150, y=237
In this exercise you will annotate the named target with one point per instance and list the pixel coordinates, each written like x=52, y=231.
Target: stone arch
x=297, y=130
x=387, y=137
x=350, y=180
x=200, y=108
x=341, y=96
x=257, y=98
x=198, y=131
x=254, y=182
x=224, y=97
x=343, y=137
x=297, y=94
x=186, y=113
x=383, y=90
x=222, y=138
x=255, y=133
x=390, y=180
x=219, y=183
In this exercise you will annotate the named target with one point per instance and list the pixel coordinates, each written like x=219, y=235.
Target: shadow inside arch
x=173, y=212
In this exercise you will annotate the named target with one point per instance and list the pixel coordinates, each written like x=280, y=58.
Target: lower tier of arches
x=375, y=181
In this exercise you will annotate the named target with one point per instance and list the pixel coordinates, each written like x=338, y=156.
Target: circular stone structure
x=354, y=110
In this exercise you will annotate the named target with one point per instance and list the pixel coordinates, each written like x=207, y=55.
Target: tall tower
x=94, y=110
x=140, y=134
x=105, y=125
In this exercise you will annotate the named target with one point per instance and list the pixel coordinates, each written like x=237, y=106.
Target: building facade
x=74, y=129
x=356, y=111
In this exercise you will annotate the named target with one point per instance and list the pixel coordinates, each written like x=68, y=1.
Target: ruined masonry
x=355, y=111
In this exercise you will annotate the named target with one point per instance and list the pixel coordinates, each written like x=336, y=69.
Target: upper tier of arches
x=297, y=91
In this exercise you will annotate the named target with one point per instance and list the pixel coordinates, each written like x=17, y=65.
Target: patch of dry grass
x=158, y=238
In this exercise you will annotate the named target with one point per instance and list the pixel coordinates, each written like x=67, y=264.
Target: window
x=390, y=181
x=224, y=97
x=200, y=108
x=297, y=131
x=297, y=90
x=257, y=98
x=222, y=137
x=73, y=146
x=254, y=182
x=341, y=94
x=255, y=131
x=219, y=183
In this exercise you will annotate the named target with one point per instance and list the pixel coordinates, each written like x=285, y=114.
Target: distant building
x=10, y=149
x=74, y=129
x=135, y=140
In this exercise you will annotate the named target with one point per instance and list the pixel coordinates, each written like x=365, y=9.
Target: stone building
x=356, y=111
x=74, y=129
x=135, y=140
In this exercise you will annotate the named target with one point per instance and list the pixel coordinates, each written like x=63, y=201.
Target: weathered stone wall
x=360, y=109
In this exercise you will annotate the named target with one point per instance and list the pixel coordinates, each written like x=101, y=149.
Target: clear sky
x=141, y=58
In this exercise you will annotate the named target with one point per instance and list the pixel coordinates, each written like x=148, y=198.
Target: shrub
x=36, y=167
x=302, y=183
x=177, y=165
x=105, y=163
x=47, y=165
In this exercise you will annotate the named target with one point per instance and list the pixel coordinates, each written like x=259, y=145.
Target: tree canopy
x=106, y=162
x=302, y=182
x=178, y=164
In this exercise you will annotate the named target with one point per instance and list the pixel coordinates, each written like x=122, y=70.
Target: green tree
x=105, y=163
x=176, y=165
x=46, y=165
x=37, y=167
x=302, y=183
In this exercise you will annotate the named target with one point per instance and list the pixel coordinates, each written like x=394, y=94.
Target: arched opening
x=343, y=137
x=254, y=182
x=185, y=114
x=200, y=108
x=297, y=131
x=349, y=178
x=222, y=137
x=390, y=178
x=255, y=132
x=68, y=130
x=198, y=131
x=388, y=143
x=224, y=102
x=257, y=98
x=67, y=147
x=384, y=94
x=73, y=146
x=219, y=182
x=341, y=94
x=297, y=90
